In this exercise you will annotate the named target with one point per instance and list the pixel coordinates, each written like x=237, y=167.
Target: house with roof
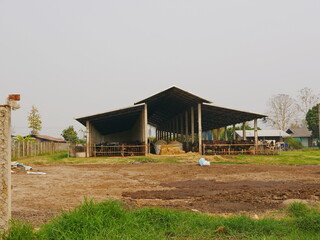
x=174, y=113
x=273, y=134
x=44, y=138
x=303, y=135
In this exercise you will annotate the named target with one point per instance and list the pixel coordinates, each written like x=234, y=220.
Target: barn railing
x=235, y=149
x=119, y=150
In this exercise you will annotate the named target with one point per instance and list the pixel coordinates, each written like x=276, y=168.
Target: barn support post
x=145, y=129
x=177, y=128
x=244, y=131
x=219, y=133
x=169, y=130
x=181, y=127
x=226, y=133
x=88, y=142
x=255, y=123
x=200, y=128
x=192, y=125
x=234, y=132
x=187, y=130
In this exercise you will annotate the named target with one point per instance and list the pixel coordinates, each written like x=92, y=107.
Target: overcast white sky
x=72, y=58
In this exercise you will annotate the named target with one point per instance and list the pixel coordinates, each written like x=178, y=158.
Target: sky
x=73, y=58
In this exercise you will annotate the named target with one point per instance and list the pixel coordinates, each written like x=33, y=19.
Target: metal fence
x=25, y=149
x=118, y=150
x=234, y=149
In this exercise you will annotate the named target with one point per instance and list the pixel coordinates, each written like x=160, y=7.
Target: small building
x=303, y=135
x=44, y=138
x=277, y=135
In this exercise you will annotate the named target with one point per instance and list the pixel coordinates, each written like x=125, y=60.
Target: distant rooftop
x=49, y=139
x=264, y=133
x=299, y=132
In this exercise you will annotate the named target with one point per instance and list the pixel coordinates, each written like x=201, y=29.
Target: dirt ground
x=220, y=188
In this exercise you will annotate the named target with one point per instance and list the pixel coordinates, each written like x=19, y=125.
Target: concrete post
x=5, y=166
x=88, y=140
x=256, y=135
x=244, y=131
x=192, y=125
x=145, y=128
x=5, y=159
x=177, y=128
x=187, y=131
x=225, y=133
x=200, y=128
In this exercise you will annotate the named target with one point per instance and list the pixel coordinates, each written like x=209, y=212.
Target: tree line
x=285, y=111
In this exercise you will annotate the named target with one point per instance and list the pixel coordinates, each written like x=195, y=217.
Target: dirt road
x=220, y=188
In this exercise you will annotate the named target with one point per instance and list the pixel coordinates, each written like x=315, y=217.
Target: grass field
x=301, y=157
x=114, y=220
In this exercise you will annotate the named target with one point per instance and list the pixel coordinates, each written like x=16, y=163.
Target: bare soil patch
x=220, y=188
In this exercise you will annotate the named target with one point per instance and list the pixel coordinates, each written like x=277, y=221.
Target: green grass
x=298, y=157
x=114, y=220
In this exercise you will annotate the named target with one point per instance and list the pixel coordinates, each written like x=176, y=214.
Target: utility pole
x=5, y=160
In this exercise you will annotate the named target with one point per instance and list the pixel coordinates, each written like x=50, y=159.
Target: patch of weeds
x=58, y=157
x=19, y=231
x=145, y=160
x=298, y=209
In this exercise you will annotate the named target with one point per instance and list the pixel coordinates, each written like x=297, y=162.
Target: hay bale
x=158, y=144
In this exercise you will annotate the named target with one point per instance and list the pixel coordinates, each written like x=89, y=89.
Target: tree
x=230, y=130
x=35, y=122
x=312, y=119
x=281, y=111
x=306, y=100
x=19, y=138
x=69, y=134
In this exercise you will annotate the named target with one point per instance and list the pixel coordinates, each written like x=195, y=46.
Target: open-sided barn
x=174, y=113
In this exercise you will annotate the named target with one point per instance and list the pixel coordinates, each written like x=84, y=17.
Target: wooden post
x=200, y=128
x=244, y=131
x=234, y=132
x=256, y=135
x=192, y=125
x=219, y=133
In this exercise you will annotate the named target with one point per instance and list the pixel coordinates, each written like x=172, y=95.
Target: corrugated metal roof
x=169, y=105
x=114, y=121
x=264, y=133
x=50, y=139
x=299, y=132
x=216, y=116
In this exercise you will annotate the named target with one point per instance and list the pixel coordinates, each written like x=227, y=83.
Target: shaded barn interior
x=174, y=113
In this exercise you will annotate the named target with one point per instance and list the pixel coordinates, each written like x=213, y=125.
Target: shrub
x=294, y=143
